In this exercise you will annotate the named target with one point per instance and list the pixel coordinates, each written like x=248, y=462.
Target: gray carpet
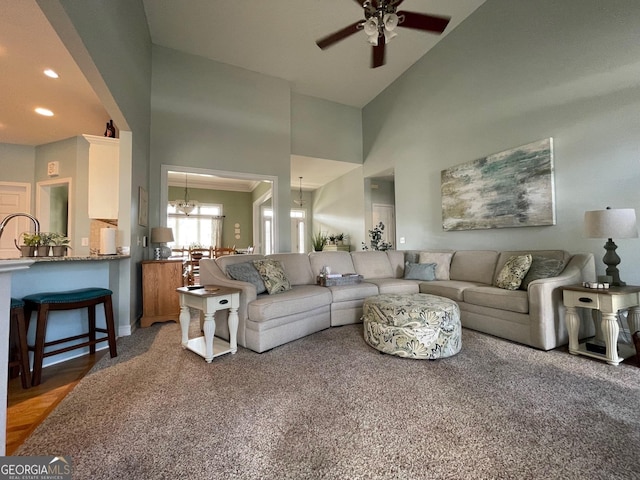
x=330, y=407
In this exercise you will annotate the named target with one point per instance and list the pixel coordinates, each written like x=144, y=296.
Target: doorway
x=14, y=198
x=53, y=205
x=219, y=179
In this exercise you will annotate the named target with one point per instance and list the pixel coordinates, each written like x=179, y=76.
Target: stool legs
x=111, y=328
x=38, y=348
x=43, y=311
x=18, y=331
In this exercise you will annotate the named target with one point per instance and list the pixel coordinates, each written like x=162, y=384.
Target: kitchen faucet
x=6, y=219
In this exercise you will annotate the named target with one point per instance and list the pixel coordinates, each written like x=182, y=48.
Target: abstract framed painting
x=513, y=188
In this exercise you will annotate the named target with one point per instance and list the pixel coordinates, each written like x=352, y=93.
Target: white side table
x=607, y=303
x=209, y=300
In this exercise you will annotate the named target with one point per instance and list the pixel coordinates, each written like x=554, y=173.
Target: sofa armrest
x=212, y=274
x=548, y=329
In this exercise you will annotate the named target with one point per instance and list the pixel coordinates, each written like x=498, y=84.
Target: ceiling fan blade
x=377, y=57
x=420, y=21
x=335, y=37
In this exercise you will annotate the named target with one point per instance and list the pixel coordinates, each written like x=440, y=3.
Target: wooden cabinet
x=103, y=176
x=160, y=300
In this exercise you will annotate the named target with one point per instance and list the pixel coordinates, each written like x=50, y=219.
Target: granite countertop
x=72, y=259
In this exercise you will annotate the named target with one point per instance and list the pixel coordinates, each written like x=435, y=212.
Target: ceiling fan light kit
x=380, y=21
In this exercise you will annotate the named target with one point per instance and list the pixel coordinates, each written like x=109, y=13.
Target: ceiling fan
x=380, y=21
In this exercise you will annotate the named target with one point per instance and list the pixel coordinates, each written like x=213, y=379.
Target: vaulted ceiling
x=275, y=37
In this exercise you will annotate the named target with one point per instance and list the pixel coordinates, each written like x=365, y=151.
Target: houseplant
x=375, y=239
x=44, y=247
x=29, y=243
x=318, y=241
x=59, y=244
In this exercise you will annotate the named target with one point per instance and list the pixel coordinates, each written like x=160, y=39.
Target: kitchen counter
x=91, y=258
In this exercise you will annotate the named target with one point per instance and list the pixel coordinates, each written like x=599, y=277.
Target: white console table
x=209, y=300
x=604, y=303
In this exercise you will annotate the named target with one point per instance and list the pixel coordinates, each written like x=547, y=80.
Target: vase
x=43, y=251
x=26, y=251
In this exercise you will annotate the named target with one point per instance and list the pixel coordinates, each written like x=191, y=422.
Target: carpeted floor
x=330, y=407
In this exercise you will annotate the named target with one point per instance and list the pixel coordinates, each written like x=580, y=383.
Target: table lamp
x=609, y=223
x=161, y=235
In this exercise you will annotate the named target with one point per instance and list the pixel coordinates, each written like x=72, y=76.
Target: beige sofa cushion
x=453, y=289
x=359, y=291
x=473, y=266
x=372, y=264
x=296, y=267
x=442, y=261
x=396, y=285
x=339, y=262
x=397, y=259
x=494, y=297
x=300, y=299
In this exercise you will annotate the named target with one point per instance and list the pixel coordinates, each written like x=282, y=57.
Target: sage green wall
x=237, y=207
x=111, y=44
x=338, y=207
x=207, y=114
x=72, y=154
x=324, y=129
x=512, y=73
x=17, y=163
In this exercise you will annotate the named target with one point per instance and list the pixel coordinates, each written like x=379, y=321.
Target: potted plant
x=59, y=244
x=332, y=239
x=44, y=247
x=375, y=239
x=318, y=241
x=339, y=238
x=29, y=243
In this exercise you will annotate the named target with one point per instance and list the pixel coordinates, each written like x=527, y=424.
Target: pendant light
x=300, y=201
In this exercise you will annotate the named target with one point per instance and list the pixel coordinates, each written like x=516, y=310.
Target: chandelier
x=300, y=201
x=185, y=206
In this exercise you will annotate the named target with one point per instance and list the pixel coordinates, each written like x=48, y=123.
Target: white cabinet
x=103, y=174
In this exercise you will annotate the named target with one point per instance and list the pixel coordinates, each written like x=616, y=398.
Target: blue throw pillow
x=420, y=271
x=247, y=272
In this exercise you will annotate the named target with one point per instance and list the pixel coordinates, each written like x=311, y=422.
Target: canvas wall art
x=514, y=188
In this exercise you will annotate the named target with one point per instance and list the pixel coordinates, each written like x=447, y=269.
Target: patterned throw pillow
x=420, y=271
x=513, y=272
x=542, y=267
x=272, y=273
x=442, y=261
x=247, y=272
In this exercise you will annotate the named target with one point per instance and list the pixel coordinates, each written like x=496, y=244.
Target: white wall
x=512, y=73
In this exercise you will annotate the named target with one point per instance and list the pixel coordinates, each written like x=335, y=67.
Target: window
x=203, y=226
x=298, y=230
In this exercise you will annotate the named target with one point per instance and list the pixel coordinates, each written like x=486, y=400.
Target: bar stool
x=44, y=303
x=19, y=353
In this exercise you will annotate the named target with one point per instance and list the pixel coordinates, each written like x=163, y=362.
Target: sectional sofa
x=533, y=316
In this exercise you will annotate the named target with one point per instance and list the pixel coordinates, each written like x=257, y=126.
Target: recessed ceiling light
x=50, y=73
x=44, y=111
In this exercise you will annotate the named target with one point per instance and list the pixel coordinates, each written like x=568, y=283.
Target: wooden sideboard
x=160, y=300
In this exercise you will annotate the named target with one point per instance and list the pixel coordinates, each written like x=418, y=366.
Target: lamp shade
x=611, y=223
x=161, y=235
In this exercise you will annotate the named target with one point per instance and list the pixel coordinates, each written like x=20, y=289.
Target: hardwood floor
x=27, y=408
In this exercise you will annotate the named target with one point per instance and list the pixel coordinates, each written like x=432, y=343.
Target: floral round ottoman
x=414, y=325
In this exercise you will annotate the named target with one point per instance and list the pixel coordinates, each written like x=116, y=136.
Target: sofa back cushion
x=397, y=261
x=562, y=255
x=296, y=267
x=338, y=262
x=233, y=259
x=372, y=264
x=474, y=266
